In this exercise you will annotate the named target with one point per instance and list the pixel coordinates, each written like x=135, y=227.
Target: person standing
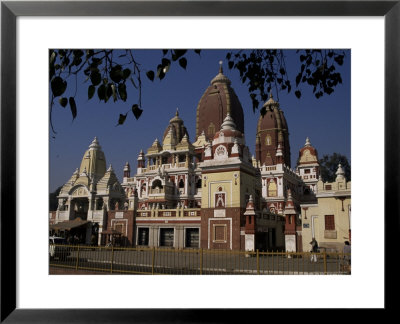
x=314, y=249
x=347, y=253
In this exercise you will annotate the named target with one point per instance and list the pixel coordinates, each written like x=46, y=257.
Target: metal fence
x=139, y=260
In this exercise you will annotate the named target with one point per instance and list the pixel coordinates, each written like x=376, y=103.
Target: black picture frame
x=10, y=10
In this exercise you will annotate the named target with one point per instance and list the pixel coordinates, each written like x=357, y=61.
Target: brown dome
x=272, y=130
x=218, y=100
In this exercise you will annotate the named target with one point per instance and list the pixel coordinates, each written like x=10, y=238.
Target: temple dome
x=272, y=131
x=93, y=161
x=177, y=127
x=218, y=100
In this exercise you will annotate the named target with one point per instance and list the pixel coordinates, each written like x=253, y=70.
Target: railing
x=151, y=260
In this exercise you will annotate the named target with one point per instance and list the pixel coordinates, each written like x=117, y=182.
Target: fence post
x=152, y=261
x=258, y=262
x=112, y=258
x=77, y=260
x=201, y=261
x=325, y=265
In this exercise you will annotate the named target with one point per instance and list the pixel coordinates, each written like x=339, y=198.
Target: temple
x=210, y=193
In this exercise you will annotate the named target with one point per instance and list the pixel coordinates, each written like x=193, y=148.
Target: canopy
x=111, y=231
x=68, y=225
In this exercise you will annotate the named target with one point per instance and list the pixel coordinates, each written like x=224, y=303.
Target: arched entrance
x=80, y=207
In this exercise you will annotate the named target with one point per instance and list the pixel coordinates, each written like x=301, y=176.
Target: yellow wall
x=234, y=188
x=326, y=206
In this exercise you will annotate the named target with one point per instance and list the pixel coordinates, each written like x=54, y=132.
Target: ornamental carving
x=221, y=152
x=80, y=192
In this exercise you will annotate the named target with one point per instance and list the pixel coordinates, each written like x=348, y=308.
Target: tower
x=308, y=168
x=228, y=181
x=218, y=100
x=272, y=132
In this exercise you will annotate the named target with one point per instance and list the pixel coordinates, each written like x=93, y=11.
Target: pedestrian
x=93, y=240
x=347, y=253
x=314, y=249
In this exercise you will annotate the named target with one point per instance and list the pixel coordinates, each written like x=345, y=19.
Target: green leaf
x=122, y=91
x=183, y=62
x=101, y=92
x=160, y=72
x=298, y=79
x=109, y=92
x=58, y=86
x=136, y=111
x=63, y=102
x=165, y=62
x=126, y=73
x=150, y=75
x=114, y=92
x=72, y=106
x=116, y=73
x=53, y=56
x=177, y=54
x=78, y=53
x=89, y=53
x=91, y=91
x=77, y=61
x=95, y=77
x=121, y=119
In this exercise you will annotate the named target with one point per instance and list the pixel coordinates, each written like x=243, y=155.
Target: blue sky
x=326, y=121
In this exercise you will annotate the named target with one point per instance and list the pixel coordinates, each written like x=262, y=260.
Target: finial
x=177, y=112
x=228, y=122
x=95, y=143
x=308, y=143
x=270, y=94
x=340, y=174
x=110, y=168
x=220, y=67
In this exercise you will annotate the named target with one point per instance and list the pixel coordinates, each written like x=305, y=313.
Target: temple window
x=268, y=140
x=198, y=184
x=181, y=184
x=211, y=129
x=329, y=222
x=157, y=184
x=272, y=189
